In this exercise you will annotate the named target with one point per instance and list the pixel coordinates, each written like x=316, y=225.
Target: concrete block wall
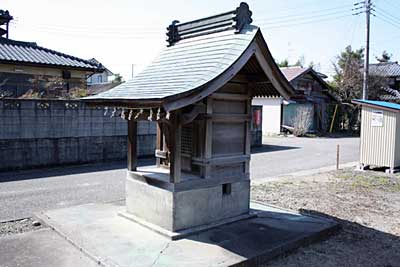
x=57, y=132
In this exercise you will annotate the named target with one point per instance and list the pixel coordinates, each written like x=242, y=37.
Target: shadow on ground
x=350, y=244
x=263, y=240
x=20, y=175
x=270, y=148
x=98, y=229
x=353, y=245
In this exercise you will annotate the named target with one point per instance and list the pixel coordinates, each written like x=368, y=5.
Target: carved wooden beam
x=190, y=116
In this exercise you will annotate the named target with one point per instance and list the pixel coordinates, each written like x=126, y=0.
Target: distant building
x=29, y=70
x=388, y=70
x=99, y=77
x=311, y=95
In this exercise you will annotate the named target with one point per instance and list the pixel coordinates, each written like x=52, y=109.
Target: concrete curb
x=304, y=173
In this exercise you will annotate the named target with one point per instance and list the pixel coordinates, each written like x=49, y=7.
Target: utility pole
x=366, y=58
x=133, y=66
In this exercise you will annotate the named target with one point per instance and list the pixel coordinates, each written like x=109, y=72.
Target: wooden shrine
x=199, y=93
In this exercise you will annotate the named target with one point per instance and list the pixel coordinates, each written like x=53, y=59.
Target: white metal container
x=380, y=134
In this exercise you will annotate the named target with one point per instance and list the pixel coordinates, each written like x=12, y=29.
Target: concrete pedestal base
x=188, y=231
x=193, y=203
x=98, y=231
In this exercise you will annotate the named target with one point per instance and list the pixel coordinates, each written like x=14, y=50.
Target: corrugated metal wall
x=397, y=149
x=378, y=143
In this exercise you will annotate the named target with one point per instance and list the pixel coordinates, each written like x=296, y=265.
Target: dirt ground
x=367, y=205
x=20, y=226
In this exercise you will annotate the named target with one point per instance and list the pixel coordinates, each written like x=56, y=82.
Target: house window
x=99, y=79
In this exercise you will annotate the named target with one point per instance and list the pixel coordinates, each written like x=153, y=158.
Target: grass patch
x=370, y=180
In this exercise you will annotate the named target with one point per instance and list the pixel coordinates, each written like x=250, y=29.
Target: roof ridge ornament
x=172, y=32
x=243, y=16
x=236, y=19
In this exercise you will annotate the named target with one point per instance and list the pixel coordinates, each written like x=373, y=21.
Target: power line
x=305, y=18
x=392, y=4
x=87, y=27
x=115, y=34
x=346, y=64
x=277, y=18
x=387, y=40
x=291, y=6
x=89, y=30
x=389, y=22
x=144, y=33
x=304, y=22
x=387, y=14
x=156, y=30
x=366, y=7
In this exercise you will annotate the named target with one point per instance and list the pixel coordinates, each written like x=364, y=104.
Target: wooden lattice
x=187, y=136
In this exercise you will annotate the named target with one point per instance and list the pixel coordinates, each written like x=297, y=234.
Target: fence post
x=337, y=156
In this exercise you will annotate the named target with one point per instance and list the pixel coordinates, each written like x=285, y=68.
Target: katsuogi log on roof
x=201, y=57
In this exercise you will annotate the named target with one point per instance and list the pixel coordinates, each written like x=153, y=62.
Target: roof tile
x=388, y=69
x=24, y=52
x=292, y=73
x=187, y=65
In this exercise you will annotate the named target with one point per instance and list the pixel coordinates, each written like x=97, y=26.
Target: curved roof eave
x=196, y=94
x=279, y=80
x=255, y=45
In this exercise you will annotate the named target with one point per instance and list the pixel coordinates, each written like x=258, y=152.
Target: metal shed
x=380, y=134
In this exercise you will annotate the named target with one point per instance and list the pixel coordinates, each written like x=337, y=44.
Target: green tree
x=300, y=62
x=117, y=78
x=385, y=57
x=284, y=63
x=347, y=83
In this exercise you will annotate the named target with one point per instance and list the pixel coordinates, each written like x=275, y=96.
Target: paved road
x=25, y=192
x=283, y=155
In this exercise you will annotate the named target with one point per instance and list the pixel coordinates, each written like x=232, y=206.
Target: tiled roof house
x=27, y=68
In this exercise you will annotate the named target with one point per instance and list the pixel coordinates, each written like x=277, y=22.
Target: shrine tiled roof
x=185, y=66
x=202, y=56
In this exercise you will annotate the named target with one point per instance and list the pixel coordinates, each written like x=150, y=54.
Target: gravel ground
x=20, y=226
x=367, y=205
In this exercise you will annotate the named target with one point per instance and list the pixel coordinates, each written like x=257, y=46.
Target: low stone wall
x=37, y=133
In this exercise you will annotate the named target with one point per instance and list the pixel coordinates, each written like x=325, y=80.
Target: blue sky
x=120, y=33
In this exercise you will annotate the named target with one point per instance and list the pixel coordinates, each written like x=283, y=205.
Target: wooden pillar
x=248, y=132
x=159, y=143
x=132, y=137
x=208, y=138
x=175, y=137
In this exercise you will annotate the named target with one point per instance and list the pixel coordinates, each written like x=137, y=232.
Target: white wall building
x=271, y=114
x=99, y=77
